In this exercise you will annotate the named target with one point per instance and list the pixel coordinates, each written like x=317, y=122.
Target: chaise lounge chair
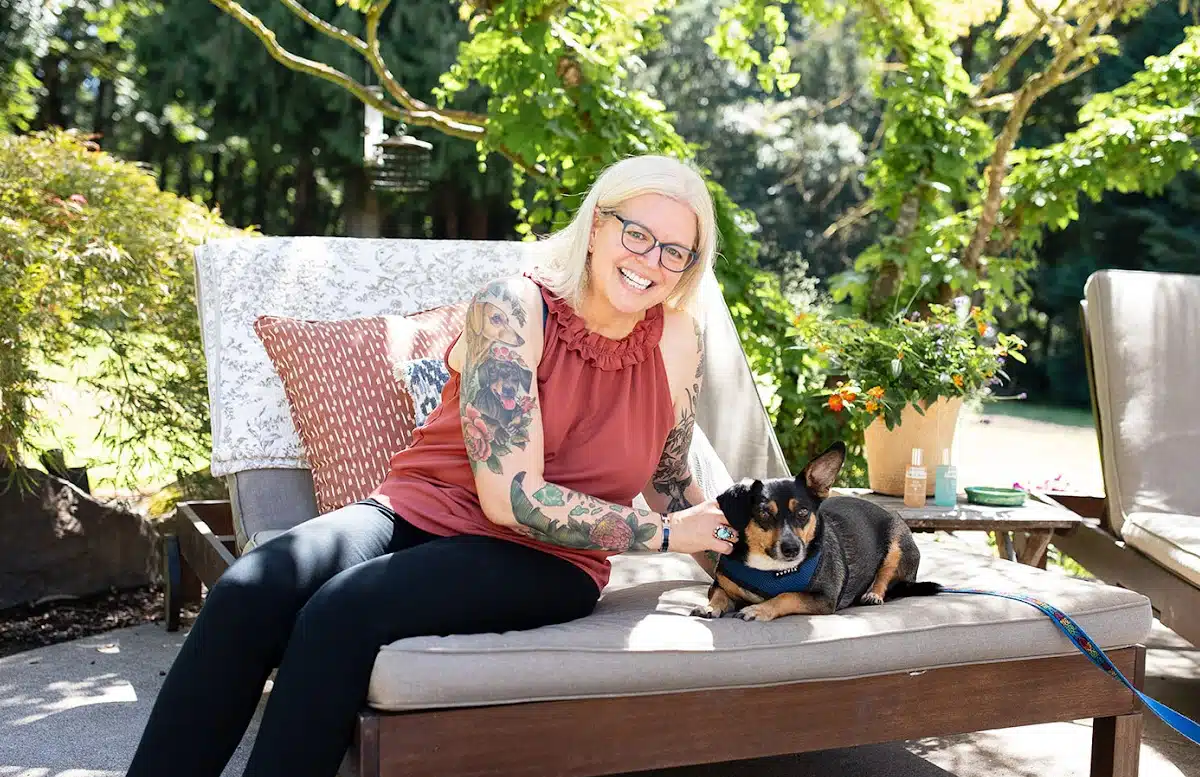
x=1141, y=333
x=592, y=697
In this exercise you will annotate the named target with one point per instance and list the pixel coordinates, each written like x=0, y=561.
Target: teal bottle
x=945, y=484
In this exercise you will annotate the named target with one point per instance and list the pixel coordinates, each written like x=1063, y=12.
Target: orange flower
x=849, y=396
x=958, y=380
x=835, y=403
x=876, y=391
x=899, y=354
x=981, y=328
x=872, y=406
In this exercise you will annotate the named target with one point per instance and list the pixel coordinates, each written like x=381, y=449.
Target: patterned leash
x=1086, y=645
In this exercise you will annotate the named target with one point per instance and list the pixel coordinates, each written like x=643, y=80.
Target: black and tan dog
x=801, y=552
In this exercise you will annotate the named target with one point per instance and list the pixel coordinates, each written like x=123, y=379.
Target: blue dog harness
x=768, y=583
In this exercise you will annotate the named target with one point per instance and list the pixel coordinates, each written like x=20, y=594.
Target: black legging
x=318, y=602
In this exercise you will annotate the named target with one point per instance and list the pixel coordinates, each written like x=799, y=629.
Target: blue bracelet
x=666, y=540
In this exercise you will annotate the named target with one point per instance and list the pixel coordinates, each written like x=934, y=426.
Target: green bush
x=789, y=372
x=97, y=263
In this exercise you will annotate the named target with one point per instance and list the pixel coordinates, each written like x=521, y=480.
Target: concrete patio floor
x=77, y=709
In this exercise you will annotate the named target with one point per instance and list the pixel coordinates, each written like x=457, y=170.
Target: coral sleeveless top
x=606, y=412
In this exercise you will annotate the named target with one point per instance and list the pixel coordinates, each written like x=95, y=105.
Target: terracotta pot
x=889, y=452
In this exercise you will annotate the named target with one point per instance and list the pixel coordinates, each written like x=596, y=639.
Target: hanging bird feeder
x=402, y=165
x=398, y=163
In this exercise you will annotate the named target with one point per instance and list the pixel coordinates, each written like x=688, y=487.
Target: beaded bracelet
x=666, y=540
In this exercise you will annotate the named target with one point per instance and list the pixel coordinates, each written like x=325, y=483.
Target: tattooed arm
x=502, y=427
x=672, y=487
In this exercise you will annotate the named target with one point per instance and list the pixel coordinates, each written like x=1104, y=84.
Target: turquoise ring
x=724, y=533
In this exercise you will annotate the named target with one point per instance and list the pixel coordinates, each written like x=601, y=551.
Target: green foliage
x=1138, y=137
x=96, y=257
x=912, y=360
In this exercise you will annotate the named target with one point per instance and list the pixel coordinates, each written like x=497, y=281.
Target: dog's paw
x=707, y=611
x=870, y=597
x=755, y=612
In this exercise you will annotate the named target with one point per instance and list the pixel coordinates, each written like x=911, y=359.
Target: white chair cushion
x=1171, y=540
x=633, y=643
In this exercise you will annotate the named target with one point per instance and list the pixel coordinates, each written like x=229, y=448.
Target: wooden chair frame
x=560, y=737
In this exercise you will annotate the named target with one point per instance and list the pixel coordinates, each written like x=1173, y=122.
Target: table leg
x=1036, y=544
x=1004, y=544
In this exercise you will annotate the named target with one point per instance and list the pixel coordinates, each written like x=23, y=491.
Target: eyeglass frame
x=692, y=255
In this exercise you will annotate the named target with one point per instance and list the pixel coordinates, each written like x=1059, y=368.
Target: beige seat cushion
x=1143, y=327
x=1171, y=540
x=641, y=639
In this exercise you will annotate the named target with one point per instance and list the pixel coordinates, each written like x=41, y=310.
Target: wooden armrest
x=206, y=537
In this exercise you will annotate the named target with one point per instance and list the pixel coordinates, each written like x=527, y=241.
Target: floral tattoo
x=672, y=478
x=591, y=524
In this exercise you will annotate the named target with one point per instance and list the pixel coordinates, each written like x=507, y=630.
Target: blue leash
x=1080, y=639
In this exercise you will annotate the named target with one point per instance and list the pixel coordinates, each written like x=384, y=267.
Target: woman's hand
x=694, y=530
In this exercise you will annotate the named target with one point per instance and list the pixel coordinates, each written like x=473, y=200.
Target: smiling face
x=627, y=282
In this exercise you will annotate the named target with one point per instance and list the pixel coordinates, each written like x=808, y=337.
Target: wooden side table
x=1033, y=524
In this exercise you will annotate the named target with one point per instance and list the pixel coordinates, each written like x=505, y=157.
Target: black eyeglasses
x=640, y=240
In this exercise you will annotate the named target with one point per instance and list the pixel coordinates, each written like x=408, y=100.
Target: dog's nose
x=790, y=550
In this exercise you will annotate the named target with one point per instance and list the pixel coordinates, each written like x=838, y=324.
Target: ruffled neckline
x=605, y=352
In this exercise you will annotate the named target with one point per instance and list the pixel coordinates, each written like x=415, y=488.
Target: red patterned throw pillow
x=346, y=393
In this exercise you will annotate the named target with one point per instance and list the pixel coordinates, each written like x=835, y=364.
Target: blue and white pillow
x=424, y=380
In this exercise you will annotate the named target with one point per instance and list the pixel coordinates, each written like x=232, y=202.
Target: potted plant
x=909, y=377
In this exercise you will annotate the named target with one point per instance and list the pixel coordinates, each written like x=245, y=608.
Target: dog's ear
x=739, y=500
x=475, y=318
x=526, y=378
x=821, y=473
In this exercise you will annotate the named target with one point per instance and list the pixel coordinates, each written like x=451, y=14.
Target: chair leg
x=181, y=585
x=1116, y=746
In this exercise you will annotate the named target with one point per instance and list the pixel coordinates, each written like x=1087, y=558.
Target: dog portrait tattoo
x=496, y=382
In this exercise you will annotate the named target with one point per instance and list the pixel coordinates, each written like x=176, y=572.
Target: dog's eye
x=803, y=511
x=497, y=319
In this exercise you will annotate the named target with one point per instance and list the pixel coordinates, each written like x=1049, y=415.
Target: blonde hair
x=561, y=259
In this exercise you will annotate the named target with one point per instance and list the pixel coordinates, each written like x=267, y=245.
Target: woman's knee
x=252, y=592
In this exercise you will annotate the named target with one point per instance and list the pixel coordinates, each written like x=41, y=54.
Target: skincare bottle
x=915, y=481
x=945, y=484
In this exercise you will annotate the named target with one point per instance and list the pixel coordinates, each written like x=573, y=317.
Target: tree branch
x=1001, y=69
x=999, y=102
x=1071, y=75
x=462, y=124
x=322, y=26
x=304, y=65
x=1034, y=88
x=852, y=216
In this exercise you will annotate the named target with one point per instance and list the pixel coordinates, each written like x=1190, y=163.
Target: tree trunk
x=262, y=192
x=477, y=220
x=306, y=197
x=235, y=184
x=360, y=205
x=214, y=191
x=51, y=112
x=185, y=172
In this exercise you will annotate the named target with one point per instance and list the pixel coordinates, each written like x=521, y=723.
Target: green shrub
x=97, y=262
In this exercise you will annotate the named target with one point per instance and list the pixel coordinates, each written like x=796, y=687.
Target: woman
x=572, y=389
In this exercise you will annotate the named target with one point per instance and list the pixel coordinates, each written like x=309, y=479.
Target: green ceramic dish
x=995, y=497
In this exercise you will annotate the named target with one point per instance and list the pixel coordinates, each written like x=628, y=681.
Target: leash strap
x=1086, y=645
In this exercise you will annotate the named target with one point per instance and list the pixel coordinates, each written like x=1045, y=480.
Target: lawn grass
x=1050, y=414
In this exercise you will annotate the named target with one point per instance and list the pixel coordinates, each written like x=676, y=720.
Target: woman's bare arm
x=502, y=427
